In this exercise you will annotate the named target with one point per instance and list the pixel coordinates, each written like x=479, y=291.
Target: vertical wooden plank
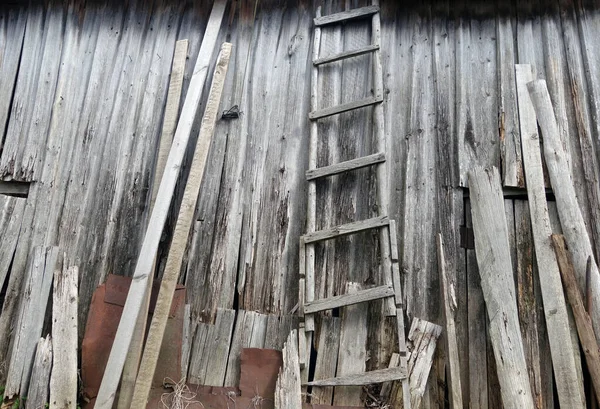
x=423, y=336
x=494, y=261
x=287, y=389
x=63, y=381
x=327, y=356
x=12, y=216
x=38, y=391
x=562, y=350
x=218, y=345
x=186, y=345
x=352, y=351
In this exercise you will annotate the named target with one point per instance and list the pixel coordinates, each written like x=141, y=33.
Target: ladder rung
x=346, y=15
x=346, y=166
x=338, y=109
x=345, y=229
x=365, y=378
x=338, y=301
x=346, y=54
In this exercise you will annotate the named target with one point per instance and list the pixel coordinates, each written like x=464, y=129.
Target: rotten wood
x=287, y=390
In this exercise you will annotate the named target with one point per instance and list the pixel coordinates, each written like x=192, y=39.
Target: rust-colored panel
x=259, y=369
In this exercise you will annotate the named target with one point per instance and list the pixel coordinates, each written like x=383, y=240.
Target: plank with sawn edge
x=345, y=229
x=345, y=166
x=339, y=109
x=337, y=301
x=365, y=378
x=346, y=54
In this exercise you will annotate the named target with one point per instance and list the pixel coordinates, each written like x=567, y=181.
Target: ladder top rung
x=343, y=300
x=346, y=54
x=346, y=166
x=365, y=378
x=345, y=229
x=338, y=109
x=346, y=15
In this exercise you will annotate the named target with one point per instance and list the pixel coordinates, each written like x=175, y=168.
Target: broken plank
x=366, y=378
x=38, y=391
x=582, y=319
x=571, y=218
x=337, y=301
x=14, y=188
x=327, y=354
x=566, y=368
x=63, y=381
x=346, y=54
x=346, y=166
x=345, y=229
x=346, y=15
x=114, y=367
x=349, y=106
x=497, y=283
x=449, y=297
x=180, y=235
x=287, y=389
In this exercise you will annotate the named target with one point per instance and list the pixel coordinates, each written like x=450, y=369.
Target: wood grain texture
x=495, y=269
x=346, y=54
x=327, y=355
x=369, y=294
x=287, y=389
x=39, y=386
x=348, y=106
x=345, y=229
x=64, y=378
x=345, y=166
x=361, y=379
x=582, y=319
x=570, y=391
x=346, y=15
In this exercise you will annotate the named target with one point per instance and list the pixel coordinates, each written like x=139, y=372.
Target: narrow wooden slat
x=63, y=381
x=186, y=345
x=135, y=298
x=339, y=109
x=346, y=15
x=39, y=386
x=345, y=229
x=449, y=297
x=386, y=388
x=346, y=166
x=497, y=282
x=346, y=54
x=570, y=392
x=582, y=319
x=181, y=234
x=395, y=265
x=337, y=301
x=327, y=354
x=366, y=378
x=287, y=388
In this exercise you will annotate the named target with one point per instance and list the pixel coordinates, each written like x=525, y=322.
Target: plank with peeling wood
x=449, y=296
x=582, y=319
x=571, y=218
x=63, y=381
x=570, y=393
x=38, y=391
x=366, y=378
x=114, y=367
x=346, y=166
x=497, y=282
x=349, y=106
x=423, y=336
x=31, y=319
x=346, y=54
x=181, y=233
x=346, y=15
x=345, y=229
x=361, y=296
x=287, y=388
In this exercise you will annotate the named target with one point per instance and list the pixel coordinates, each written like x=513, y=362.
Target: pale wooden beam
x=287, y=389
x=37, y=393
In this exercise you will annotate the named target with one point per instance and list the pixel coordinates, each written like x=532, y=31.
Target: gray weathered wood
x=386, y=388
x=130, y=369
x=31, y=319
x=18, y=189
x=352, y=354
x=181, y=234
x=582, y=319
x=570, y=392
x=571, y=218
x=346, y=15
x=114, y=367
x=346, y=54
x=346, y=166
x=361, y=296
x=449, y=296
x=495, y=269
x=287, y=388
x=63, y=381
x=327, y=354
x=367, y=378
x=186, y=343
x=39, y=385
x=10, y=227
x=423, y=336
x=345, y=229
x=349, y=106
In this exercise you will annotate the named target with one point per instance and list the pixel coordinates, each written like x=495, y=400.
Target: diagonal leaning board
x=562, y=347
x=181, y=234
x=143, y=268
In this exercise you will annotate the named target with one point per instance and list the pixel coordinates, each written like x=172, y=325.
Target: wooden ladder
x=391, y=290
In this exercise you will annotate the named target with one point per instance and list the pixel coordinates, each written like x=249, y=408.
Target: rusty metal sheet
x=258, y=372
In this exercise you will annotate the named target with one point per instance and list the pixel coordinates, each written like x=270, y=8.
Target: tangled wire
x=180, y=398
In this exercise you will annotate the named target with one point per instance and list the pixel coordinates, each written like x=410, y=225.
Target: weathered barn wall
x=82, y=92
